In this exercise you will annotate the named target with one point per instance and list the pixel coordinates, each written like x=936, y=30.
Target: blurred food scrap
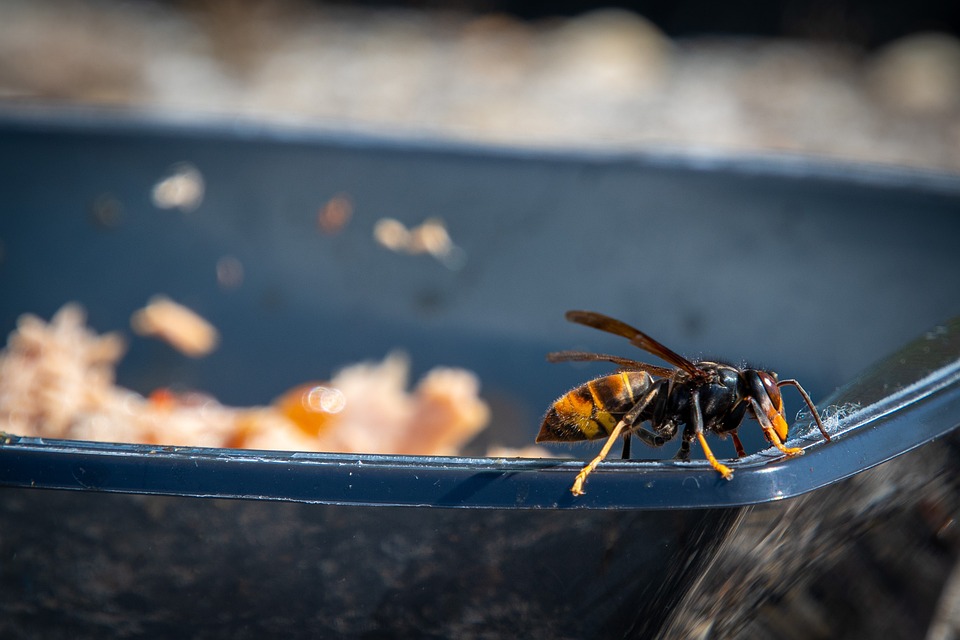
x=429, y=237
x=57, y=381
x=177, y=325
x=106, y=211
x=181, y=189
x=919, y=74
x=229, y=272
x=379, y=415
x=335, y=214
x=52, y=373
x=532, y=451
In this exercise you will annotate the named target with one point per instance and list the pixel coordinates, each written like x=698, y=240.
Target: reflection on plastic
x=325, y=399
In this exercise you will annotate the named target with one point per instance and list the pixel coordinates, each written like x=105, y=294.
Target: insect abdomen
x=591, y=411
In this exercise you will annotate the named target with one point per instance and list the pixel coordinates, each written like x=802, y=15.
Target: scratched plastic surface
x=121, y=538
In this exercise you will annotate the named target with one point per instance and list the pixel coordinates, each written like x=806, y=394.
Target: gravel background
x=604, y=79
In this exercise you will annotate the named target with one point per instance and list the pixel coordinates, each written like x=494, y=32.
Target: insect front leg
x=770, y=432
x=696, y=416
x=627, y=422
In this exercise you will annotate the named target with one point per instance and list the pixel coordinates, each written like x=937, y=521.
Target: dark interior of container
x=811, y=270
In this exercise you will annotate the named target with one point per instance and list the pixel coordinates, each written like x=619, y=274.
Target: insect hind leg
x=627, y=422
x=739, y=446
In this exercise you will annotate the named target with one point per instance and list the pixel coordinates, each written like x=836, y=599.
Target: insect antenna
x=806, y=398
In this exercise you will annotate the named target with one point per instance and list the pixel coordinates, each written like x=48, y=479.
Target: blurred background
x=855, y=80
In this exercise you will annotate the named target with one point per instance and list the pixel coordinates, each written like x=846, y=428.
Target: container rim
x=910, y=418
x=39, y=116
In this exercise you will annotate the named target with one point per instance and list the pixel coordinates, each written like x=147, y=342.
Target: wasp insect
x=702, y=396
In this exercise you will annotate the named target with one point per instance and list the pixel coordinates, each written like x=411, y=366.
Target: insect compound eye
x=771, y=388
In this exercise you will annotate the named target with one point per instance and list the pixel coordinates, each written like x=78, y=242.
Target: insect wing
x=636, y=337
x=624, y=363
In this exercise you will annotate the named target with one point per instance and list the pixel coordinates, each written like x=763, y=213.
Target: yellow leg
x=722, y=469
x=775, y=439
x=577, y=488
x=769, y=429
